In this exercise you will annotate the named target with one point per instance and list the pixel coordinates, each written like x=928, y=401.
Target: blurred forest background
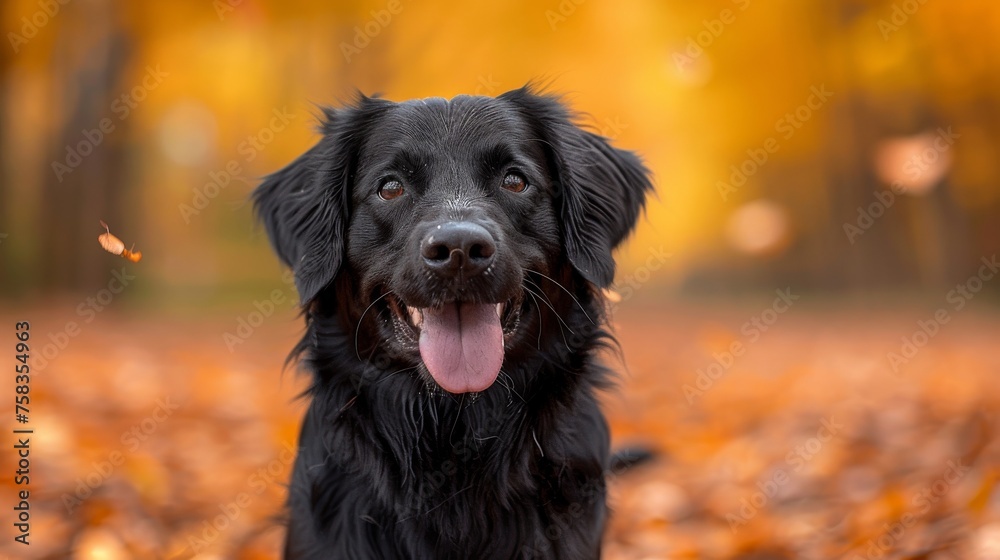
x=191, y=86
x=845, y=151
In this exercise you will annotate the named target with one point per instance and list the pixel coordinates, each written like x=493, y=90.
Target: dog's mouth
x=461, y=343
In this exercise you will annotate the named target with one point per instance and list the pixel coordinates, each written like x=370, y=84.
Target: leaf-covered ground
x=797, y=440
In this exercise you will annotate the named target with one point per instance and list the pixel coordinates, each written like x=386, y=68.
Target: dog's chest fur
x=406, y=472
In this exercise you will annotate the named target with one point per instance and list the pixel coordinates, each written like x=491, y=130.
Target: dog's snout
x=454, y=247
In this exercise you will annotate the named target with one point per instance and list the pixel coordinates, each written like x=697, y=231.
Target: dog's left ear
x=304, y=207
x=600, y=189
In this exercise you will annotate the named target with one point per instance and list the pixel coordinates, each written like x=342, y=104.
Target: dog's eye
x=390, y=189
x=514, y=182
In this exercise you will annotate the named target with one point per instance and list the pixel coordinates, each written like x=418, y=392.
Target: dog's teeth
x=499, y=310
x=415, y=314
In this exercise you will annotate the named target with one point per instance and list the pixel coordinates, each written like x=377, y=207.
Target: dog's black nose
x=454, y=247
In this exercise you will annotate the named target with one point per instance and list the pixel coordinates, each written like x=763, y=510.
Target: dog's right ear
x=305, y=206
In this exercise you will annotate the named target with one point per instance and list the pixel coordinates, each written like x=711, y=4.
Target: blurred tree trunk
x=77, y=196
x=938, y=228
x=865, y=260
x=918, y=241
x=6, y=198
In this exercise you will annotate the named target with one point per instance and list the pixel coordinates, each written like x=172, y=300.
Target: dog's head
x=439, y=219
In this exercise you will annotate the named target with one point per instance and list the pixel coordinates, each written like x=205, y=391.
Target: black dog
x=450, y=256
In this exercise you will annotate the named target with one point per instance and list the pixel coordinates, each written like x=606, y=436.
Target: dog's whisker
x=506, y=384
x=441, y=503
x=549, y=305
x=387, y=376
x=361, y=382
x=535, y=437
x=560, y=319
x=509, y=385
x=539, y=341
x=357, y=328
x=569, y=293
x=539, y=290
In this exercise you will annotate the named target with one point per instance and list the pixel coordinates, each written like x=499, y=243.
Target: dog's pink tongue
x=462, y=346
